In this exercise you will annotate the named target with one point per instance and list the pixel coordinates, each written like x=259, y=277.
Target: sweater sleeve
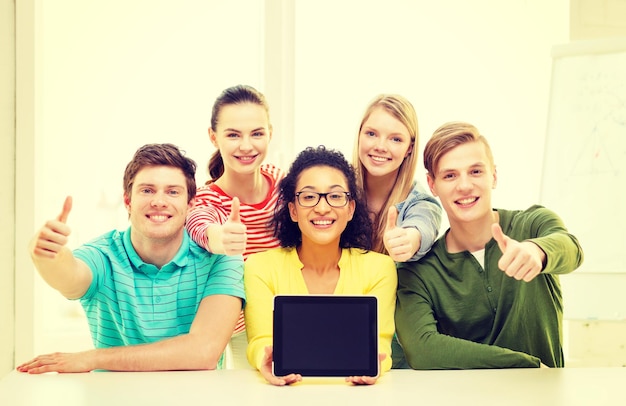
x=423, y=212
x=204, y=213
x=383, y=286
x=426, y=348
x=563, y=251
x=259, y=307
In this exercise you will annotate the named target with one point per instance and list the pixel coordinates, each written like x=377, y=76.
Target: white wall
x=111, y=76
x=7, y=192
x=483, y=61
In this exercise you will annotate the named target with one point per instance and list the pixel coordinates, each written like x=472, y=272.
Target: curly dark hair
x=358, y=231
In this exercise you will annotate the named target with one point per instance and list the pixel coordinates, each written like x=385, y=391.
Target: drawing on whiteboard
x=584, y=174
x=604, y=105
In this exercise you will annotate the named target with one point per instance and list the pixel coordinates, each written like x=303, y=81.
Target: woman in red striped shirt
x=232, y=211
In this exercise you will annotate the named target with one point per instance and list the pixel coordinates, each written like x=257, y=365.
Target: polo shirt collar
x=179, y=261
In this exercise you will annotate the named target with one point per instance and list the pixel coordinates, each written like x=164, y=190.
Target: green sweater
x=453, y=314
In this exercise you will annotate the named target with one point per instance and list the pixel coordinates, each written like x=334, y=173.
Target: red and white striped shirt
x=213, y=206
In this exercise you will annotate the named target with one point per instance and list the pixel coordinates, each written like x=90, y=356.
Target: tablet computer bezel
x=355, y=354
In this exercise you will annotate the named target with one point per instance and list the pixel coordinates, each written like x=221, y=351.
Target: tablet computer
x=325, y=335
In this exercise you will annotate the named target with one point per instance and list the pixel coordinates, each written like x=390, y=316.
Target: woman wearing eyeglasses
x=324, y=233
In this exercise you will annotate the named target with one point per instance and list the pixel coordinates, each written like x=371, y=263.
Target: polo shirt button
x=158, y=300
x=489, y=288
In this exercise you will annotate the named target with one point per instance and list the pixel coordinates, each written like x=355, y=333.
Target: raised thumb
x=499, y=236
x=234, y=211
x=392, y=217
x=67, y=207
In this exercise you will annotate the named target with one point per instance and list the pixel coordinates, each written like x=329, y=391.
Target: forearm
x=258, y=315
x=424, y=217
x=64, y=273
x=438, y=351
x=256, y=350
x=563, y=252
x=426, y=348
x=198, y=221
x=259, y=309
x=184, y=352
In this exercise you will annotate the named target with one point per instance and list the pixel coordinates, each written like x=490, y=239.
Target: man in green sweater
x=487, y=295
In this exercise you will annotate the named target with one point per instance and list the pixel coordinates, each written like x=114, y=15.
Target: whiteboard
x=584, y=170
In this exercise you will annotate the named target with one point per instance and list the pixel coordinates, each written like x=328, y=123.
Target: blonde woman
x=405, y=217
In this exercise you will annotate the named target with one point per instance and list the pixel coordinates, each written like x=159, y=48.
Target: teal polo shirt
x=131, y=302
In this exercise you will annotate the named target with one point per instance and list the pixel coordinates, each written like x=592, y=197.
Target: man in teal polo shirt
x=154, y=299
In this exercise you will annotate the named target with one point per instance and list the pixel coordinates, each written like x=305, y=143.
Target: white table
x=550, y=387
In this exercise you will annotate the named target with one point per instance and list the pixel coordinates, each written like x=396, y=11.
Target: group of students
x=198, y=267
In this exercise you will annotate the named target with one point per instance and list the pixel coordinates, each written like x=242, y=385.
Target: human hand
x=59, y=362
x=401, y=243
x=520, y=260
x=234, y=232
x=367, y=380
x=266, y=371
x=53, y=236
x=230, y=237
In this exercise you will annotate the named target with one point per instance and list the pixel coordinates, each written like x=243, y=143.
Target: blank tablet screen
x=320, y=335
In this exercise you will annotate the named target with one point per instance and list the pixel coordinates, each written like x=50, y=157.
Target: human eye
x=448, y=176
x=477, y=172
x=336, y=196
x=308, y=196
x=258, y=134
x=174, y=192
x=232, y=135
x=145, y=190
x=369, y=133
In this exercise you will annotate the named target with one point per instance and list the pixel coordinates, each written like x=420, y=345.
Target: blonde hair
x=400, y=108
x=448, y=136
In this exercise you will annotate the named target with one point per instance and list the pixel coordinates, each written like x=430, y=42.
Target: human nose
x=158, y=200
x=380, y=144
x=464, y=183
x=245, y=144
x=322, y=205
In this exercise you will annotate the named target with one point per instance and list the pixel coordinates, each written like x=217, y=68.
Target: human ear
x=127, y=202
x=351, y=208
x=292, y=212
x=213, y=137
x=495, y=178
x=431, y=184
x=408, y=151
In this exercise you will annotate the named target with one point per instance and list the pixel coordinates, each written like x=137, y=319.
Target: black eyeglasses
x=334, y=199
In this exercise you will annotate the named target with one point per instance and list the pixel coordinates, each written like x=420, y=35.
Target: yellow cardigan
x=277, y=271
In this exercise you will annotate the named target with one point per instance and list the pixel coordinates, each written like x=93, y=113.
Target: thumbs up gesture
x=400, y=243
x=520, y=260
x=53, y=236
x=230, y=237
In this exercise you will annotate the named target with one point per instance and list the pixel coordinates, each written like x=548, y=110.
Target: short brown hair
x=161, y=155
x=447, y=137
